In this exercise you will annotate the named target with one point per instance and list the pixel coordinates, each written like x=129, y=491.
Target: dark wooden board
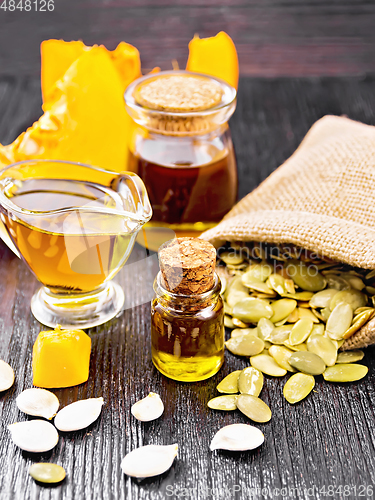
x=328, y=439
x=273, y=37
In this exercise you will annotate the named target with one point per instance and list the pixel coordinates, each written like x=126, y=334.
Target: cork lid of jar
x=179, y=93
x=188, y=265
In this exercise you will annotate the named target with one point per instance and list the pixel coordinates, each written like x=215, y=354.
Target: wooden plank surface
x=328, y=439
x=273, y=37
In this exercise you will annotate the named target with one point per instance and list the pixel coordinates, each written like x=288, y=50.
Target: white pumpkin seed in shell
x=339, y=320
x=38, y=402
x=266, y=364
x=226, y=403
x=250, y=381
x=240, y=332
x=307, y=362
x=254, y=408
x=323, y=347
x=6, y=376
x=36, y=436
x=148, y=461
x=229, y=384
x=298, y=387
x=149, y=408
x=247, y=345
x=345, y=372
x=237, y=437
x=47, y=473
x=352, y=297
x=323, y=298
x=282, y=309
x=300, y=331
x=79, y=415
x=281, y=355
x=264, y=328
x=350, y=356
x=252, y=310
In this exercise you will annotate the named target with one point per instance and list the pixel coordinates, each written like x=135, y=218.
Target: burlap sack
x=322, y=199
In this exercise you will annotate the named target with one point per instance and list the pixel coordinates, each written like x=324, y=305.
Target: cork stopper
x=179, y=93
x=188, y=265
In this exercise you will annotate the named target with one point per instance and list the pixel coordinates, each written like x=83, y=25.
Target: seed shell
x=266, y=364
x=229, y=384
x=38, y=402
x=237, y=437
x=79, y=415
x=307, y=362
x=149, y=461
x=345, y=372
x=47, y=473
x=250, y=381
x=149, y=408
x=36, y=436
x=254, y=408
x=6, y=376
x=298, y=387
x=227, y=402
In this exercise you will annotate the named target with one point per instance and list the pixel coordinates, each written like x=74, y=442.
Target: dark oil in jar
x=188, y=197
x=187, y=347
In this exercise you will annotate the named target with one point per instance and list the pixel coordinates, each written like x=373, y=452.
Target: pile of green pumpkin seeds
x=290, y=310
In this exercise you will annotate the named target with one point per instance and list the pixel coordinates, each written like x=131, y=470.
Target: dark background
x=273, y=37
x=299, y=60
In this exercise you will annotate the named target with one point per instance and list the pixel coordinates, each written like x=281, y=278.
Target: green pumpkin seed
x=300, y=331
x=293, y=317
x=358, y=322
x=250, y=381
x=224, y=283
x=301, y=296
x=370, y=290
x=345, y=373
x=306, y=277
x=350, y=356
x=323, y=298
x=337, y=282
x=226, y=403
x=235, y=292
x=229, y=384
x=307, y=362
x=318, y=315
x=266, y=364
x=281, y=355
x=259, y=272
x=238, y=323
x=227, y=309
x=228, y=323
x=264, y=328
x=247, y=345
x=231, y=258
x=298, y=387
x=352, y=297
x=255, y=284
x=370, y=275
x=280, y=334
x=299, y=347
x=289, y=286
x=318, y=329
x=339, y=320
x=254, y=408
x=251, y=310
x=306, y=313
x=323, y=347
x=354, y=281
x=282, y=309
x=361, y=310
x=239, y=332
x=326, y=312
x=47, y=473
x=277, y=283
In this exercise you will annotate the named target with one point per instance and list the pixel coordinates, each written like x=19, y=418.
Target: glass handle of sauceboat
x=6, y=239
x=134, y=194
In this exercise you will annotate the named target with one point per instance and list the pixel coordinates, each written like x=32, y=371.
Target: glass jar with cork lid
x=187, y=313
x=182, y=148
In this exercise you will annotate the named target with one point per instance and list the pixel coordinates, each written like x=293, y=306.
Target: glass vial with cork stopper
x=187, y=313
x=182, y=149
